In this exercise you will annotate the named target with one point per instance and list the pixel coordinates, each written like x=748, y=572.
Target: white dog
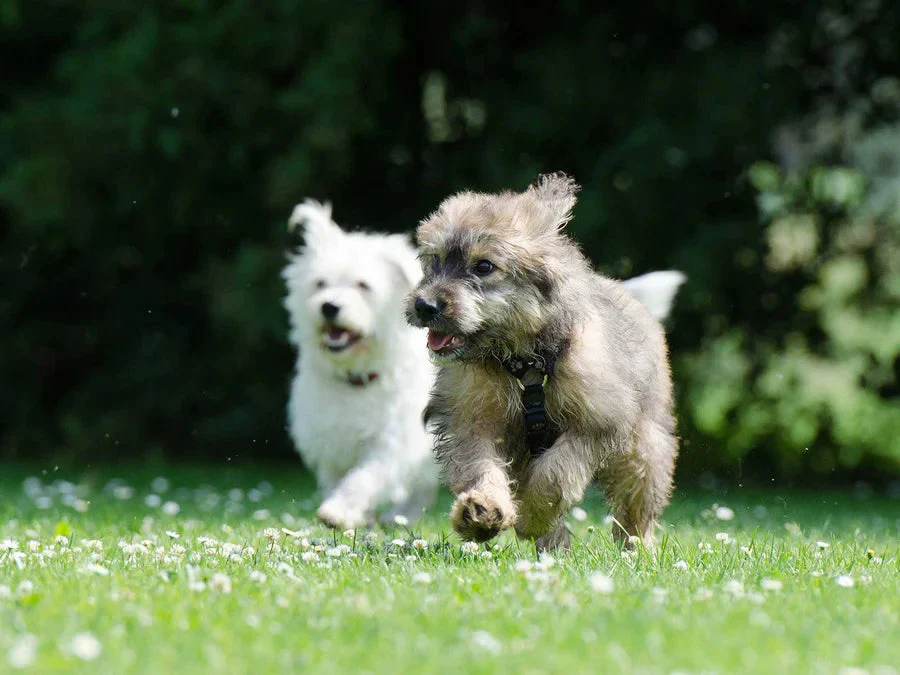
x=362, y=377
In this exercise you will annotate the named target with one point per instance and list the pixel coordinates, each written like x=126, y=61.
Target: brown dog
x=550, y=375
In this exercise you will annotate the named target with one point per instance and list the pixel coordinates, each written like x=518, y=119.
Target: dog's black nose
x=330, y=311
x=426, y=309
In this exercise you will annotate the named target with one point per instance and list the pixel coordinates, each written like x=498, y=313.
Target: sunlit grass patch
x=196, y=570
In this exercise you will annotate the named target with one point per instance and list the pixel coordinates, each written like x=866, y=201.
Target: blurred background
x=150, y=154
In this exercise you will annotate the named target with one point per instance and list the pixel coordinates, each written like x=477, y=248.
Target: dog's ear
x=315, y=218
x=398, y=250
x=555, y=194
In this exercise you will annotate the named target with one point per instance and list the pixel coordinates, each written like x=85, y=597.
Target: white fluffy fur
x=366, y=444
x=656, y=290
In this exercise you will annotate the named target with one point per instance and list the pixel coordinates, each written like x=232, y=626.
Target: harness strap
x=532, y=375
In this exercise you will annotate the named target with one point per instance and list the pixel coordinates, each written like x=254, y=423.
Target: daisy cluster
x=208, y=545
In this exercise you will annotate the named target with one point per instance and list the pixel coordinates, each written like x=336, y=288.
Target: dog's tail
x=656, y=290
x=312, y=214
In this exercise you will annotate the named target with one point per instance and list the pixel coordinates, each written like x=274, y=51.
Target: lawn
x=212, y=570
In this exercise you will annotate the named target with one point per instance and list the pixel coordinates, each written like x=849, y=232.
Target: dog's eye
x=483, y=267
x=320, y=283
x=363, y=286
x=435, y=264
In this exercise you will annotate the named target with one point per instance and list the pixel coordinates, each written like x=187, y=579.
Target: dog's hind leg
x=557, y=539
x=638, y=483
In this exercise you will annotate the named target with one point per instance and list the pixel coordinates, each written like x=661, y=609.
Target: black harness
x=532, y=374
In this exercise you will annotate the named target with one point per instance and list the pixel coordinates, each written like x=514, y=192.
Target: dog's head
x=494, y=266
x=345, y=289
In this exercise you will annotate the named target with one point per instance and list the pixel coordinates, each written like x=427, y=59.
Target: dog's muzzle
x=330, y=310
x=428, y=310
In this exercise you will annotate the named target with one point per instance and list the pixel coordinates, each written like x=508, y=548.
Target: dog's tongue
x=437, y=341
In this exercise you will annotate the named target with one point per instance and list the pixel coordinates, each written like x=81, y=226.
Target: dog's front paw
x=339, y=516
x=479, y=516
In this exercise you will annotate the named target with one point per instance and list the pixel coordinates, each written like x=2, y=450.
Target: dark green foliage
x=152, y=153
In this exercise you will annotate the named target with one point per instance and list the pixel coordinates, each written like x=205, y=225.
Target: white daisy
x=523, y=566
x=486, y=641
x=845, y=581
x=724, y=513
x=23, y=651
x=99, y=570
x=733, y=587
x=579, y=514
x=601, y=583
x=703, y=594
x=284, y=568
x=771, y=585
x=221, y=583
x=123, y=492
x=545, y=561
x=85, y=646
x=159, y=484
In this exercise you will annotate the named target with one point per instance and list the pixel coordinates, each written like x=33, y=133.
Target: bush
x=151, y=154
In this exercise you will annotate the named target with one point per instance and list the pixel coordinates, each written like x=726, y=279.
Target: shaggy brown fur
x=502, y=280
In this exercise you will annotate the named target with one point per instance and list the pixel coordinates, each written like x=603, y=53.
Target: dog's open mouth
x=444, y=343
x=338, y=339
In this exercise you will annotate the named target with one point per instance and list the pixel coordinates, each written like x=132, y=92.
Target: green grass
x=154, y=602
